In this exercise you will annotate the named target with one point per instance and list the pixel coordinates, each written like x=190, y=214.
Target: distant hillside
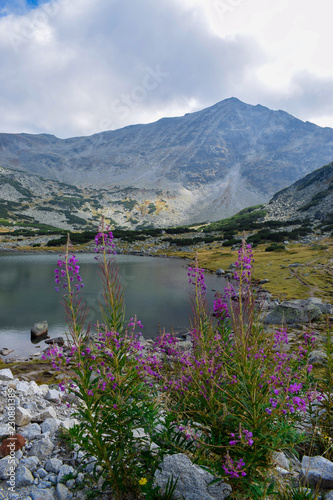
x=202, y=166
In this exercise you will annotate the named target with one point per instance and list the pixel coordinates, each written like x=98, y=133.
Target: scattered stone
x=6, y=467
x=4, y=431
x=63, y=471
x=6, y=374
x=22, y=416
x=50, y=425
x=220, y=272
x=42, y=473
x=49, y=412
x=30, y=463
x=42, y=495
x=262, y=282
x=53, y=395
x=42, y=448
x=193, y=482
x=317, y=471
x=57, y=340
x=23, y=476
x=5, y=351
x=31, y=431
x=53, y=465
x=68, y=424
x=63, y=493
x=281, y=460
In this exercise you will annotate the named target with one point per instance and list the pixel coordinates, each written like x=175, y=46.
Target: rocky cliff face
x=310, y=197
x=205, y=165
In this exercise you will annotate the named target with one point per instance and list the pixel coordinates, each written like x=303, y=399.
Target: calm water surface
x=156, y=290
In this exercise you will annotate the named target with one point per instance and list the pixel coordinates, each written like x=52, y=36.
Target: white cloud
x=75, y=67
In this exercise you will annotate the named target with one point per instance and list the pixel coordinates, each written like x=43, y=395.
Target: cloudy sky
x=77, y=67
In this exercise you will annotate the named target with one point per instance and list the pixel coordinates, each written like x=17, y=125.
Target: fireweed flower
x=244, y=263
x=197, y=278
x=221, y=311
x=104, y=239
x=68, y=270
x=232, y=468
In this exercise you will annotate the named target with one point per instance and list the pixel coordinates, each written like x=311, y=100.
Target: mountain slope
x=310, y=197
x=206, y=165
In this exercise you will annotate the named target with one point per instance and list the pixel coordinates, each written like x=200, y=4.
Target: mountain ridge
x=206, y=165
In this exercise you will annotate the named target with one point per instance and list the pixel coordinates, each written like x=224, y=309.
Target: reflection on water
x=156, y=289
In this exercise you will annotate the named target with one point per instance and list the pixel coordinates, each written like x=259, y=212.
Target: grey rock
x=53, y=465
x=29, y=388
x=52, y=478
x=281, y=460
x=193, y=482
x=3, y=431
x=44, y=485
x=90, y=466
x=68, y=424
x=262, y=282
x=30, y=463
x=6, y=374
x=220, y=272
x=80, y=478
x=317, y=471
x=63, y=471
x=23, y=476
x=39, y=329
x=5, y=464
x=42, y=472
x=22, y=416
x=329, y=495
x=70, y=483
x=32, y=407
x=318, y=357
x=42, y=448
x=50, y=425
x=49, y=412
x=31, y=431
x=55, y=340
x=63, y=493
x=53, y=395
x=292, y=312
x=282, y=472
x=42, y=495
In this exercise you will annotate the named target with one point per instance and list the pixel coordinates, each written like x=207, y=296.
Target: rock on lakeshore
x=39, y=329
x=297, y=311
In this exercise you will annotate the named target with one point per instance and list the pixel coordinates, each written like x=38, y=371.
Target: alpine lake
x=156, y=290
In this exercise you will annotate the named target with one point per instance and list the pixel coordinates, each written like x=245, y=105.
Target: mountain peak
x=214, y=162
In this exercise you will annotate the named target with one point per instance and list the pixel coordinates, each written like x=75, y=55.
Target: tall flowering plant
x=67, y=277
x=239, y=391
x=113, y=309
x=117, y=409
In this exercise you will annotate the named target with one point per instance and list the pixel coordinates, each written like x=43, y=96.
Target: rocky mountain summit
x=205, y=165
